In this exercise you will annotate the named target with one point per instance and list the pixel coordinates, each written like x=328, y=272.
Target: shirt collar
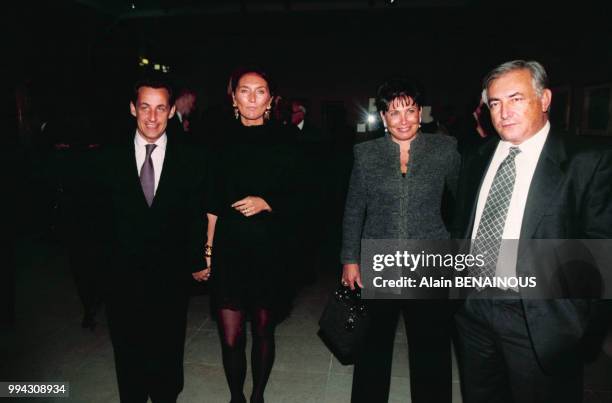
x=531, y=146
x=141, y=142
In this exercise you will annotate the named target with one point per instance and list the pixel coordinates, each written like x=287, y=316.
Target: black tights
x=233, y=342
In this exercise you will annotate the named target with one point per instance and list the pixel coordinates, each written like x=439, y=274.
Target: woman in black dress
x=248, y=221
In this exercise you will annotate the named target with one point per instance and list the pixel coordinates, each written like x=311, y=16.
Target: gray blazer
x=383, y=204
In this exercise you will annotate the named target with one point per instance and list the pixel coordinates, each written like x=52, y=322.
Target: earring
x=236, y=112
x=267, y=114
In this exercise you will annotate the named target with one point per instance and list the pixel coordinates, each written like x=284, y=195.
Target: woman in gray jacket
x=396, y=191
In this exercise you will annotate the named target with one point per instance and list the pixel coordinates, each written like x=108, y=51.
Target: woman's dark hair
x=241, y=71
x=396, y=88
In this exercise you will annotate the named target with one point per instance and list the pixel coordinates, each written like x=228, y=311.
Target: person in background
x=314, y=224
x=185, y=107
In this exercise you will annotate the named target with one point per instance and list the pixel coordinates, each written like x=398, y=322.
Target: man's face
x=187, y=104
x=297, y=114
x=516, y=110
x=152, y=111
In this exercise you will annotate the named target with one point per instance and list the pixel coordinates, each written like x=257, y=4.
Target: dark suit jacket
x=164, y=241
x=570, y=197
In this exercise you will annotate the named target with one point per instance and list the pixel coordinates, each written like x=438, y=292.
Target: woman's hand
x=251, y=205
x=202, y=275
x=351, y=275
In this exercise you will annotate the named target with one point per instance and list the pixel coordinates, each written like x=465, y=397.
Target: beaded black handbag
x=343, y=324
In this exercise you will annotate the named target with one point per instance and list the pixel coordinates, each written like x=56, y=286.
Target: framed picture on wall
x=597, y=110
x=560, y=108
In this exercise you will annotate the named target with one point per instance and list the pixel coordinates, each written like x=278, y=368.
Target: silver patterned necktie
x=491, y=227
x=147, y=175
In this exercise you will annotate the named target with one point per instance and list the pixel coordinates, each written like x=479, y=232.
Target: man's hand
x=351, y=275
x=251, y=205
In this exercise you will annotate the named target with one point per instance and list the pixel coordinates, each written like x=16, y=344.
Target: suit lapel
x=547, y=177
x=128, y=172
x=477, y=171
x=167, y=173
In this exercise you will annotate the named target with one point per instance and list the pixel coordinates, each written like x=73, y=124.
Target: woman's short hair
x=241, y=71
x=394, y=89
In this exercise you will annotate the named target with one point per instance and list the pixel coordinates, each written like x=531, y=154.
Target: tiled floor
x=48, y=344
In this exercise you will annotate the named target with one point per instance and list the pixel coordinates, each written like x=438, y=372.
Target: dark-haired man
x=529, y=183
x=152, y=187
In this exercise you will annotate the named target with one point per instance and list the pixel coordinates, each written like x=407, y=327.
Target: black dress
x=250, y=257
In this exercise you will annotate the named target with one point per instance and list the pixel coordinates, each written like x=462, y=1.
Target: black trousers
x=147, y=331
x=496, y=358
x=85, y=268
x=429, y=348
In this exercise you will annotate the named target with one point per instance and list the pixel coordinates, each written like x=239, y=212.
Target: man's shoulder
x=586, y=143
x=583, y=148
x=480, y=151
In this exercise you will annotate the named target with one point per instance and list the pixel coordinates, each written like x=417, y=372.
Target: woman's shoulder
x=440, y=142
x=370, y=147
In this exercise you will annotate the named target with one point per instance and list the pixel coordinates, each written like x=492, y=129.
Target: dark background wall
x=66, y=54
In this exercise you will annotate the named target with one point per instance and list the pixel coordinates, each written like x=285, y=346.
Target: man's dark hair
x=154, y=81
x=396, y=88
x=186, y=91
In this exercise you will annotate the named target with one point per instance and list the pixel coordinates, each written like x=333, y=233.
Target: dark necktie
x=147, y=175
x=491, y=227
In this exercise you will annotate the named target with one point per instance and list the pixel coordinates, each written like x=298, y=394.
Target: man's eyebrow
x=514, y=94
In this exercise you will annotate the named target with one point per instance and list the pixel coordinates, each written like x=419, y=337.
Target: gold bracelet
x=207, y=251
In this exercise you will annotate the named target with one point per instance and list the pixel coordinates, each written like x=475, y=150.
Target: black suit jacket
x=164, y=241
x=570, y=197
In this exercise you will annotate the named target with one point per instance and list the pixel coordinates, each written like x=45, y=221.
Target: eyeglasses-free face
x=252, y=98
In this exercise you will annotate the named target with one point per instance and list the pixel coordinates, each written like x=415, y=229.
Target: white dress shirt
x=157, y=156
x=526, y=162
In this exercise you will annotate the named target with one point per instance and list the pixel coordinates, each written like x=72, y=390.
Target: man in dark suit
x=528, y=184
x=186, y=123
x=152, y=190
